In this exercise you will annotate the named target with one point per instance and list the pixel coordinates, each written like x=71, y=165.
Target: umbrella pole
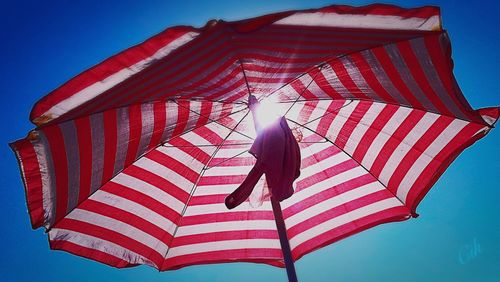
x=285, y=245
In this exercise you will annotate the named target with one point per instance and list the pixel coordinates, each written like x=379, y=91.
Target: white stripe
x=361, y=21
x=195, y=139
x=343, y=219
x=427, y=156
x=194, y=110
x=171, y=120
x=324, y=164
x=325, y=184
x=224, y=245
x=317, y=91
x=228, y=170
x=100, y=87
x=91, y=242
x=406, y=145
x=120, y=227
x=221, y=208
x=183, y=157
x=225, y=226
x=166, y=173
x=225, y=152
x=208, y=190
x=333, y=202
x=48, y=188
x=361, y=128
x=340, y=119
x=135, y=208
x=384, y=135
x=148, y=189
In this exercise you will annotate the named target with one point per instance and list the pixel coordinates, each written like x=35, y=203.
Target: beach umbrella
x=131, y=161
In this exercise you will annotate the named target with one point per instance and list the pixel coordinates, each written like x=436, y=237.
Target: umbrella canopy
x=132, y=159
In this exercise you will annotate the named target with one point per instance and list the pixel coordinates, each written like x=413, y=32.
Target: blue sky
x=456, y=238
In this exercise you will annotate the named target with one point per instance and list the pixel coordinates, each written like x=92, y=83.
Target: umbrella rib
x=207, y=145
x=394, y=104
x=195, y=185
x=216, y=121
x=159, y=144
x=324, y=63
x=245, y=77
x=328, y=113
x=367, y=170
x=228, y=159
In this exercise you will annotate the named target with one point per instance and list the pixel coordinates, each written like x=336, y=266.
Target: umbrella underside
x=133, y=158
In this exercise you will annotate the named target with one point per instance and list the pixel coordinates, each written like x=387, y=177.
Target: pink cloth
x=278, y=156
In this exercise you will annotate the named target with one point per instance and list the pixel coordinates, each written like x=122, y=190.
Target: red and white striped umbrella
x=132, y=159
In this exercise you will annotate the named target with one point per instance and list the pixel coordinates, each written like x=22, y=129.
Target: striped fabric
x=132, y=159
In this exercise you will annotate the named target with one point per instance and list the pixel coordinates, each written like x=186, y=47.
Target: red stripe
x=221, y=179
x=325, y=174
x=416, y=151
x=326, y=121
x=205, y=111
x=366, y=71
x=90, y=253
x=328, y=193
x=60, y=162
x=224, y=236
x=325, y=85
x=223, y=92
x=110, y=144
x=393, y=74
x=127, y=217
x=317, y=219
x=443, y=64
x=371, y=133
x=419, y=76
x=159, y=182
x=112, y=236
x=32, y=178
x=171, y=163
x=440, y=162
x=182, y=117
x=306, y=111
x=209, y=135
x=188, y=65
x=196, y=153
x=159, y=124
x=393, y=142
x=346, y=230
x=352, y=121
x=240, y=216
x=135, y=129
x=319, y=156
x=236, y=161
x=269, y=256
x=383, y=10
x=141, y=199
x=84, y=135
x=344, y=77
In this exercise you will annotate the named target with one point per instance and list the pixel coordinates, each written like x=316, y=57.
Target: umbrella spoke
x=202, y=172
x=358, y=163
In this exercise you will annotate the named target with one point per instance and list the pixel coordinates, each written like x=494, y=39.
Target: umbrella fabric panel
x=77, y=157
x=208, y=232
x=134, y=216
x=206, y=63
x=416, y=73
x=109, y=73
x=335, y=195
x=372, y=163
